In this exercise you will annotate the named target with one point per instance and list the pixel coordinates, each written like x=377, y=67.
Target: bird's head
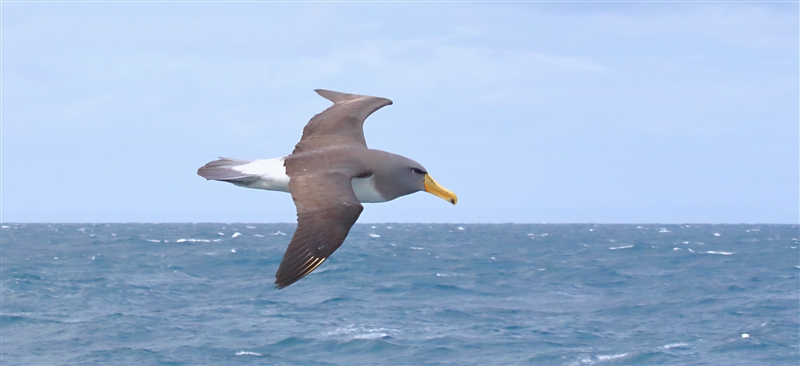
x=408, y=176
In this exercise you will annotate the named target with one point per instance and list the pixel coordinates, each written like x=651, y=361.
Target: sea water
x=199, y=294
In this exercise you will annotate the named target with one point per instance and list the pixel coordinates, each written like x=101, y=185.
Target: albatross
x=330, y=173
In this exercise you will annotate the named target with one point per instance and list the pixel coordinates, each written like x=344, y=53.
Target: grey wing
x=326, y=210
x=342, y=123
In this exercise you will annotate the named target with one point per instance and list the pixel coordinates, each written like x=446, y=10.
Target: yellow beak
x=435, y=189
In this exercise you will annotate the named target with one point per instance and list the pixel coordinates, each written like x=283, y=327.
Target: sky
x=601, y=112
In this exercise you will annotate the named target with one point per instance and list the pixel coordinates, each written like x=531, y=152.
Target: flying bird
x=329, y=174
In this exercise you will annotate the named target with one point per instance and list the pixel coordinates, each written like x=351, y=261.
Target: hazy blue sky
x=530, y=112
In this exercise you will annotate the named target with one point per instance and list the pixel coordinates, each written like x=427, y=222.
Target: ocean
x=506, y=294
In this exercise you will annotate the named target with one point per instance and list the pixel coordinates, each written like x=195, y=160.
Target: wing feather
x=326, y=210
x=342, y=124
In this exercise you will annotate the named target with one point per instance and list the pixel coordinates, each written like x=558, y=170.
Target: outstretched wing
x=326, y=210
x=342, y=123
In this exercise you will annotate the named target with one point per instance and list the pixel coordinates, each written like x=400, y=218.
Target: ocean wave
x=621, y=247
x=360, y=332
x=248, y=353
x=143, y=302
x=720, y=253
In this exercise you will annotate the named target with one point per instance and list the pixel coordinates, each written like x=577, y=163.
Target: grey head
x=395, y=175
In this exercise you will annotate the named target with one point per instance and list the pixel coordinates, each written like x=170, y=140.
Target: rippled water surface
x=402, y=294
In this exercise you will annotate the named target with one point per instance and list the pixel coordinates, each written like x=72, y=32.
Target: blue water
x=402, y=294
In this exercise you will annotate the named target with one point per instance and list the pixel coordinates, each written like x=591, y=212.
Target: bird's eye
x=417, y=171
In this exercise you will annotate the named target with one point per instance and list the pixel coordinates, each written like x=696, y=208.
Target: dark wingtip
x=294, y=271
x=336, y=97
x=339, y=97
x=280, y=285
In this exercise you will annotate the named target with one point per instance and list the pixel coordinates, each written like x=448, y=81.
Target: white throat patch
x=365, y=191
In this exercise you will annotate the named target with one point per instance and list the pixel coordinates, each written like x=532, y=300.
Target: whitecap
x=717, y=234
x=278, y=232
x=676, y=248
x=259, y=235
x=611, y=357
x=676, y=345
x=690, y=249
x=233, y=250
x=360, y=332
x=664, y=230
x=5, y=227
x=720, y=253
x=460, y=228
x=248, y=353
x=193, y=240
x=153, y=240
x=221, y=234
x=250, y=227
x=622, y=247
x=417, y=248
x=236, y=234
x=374, y=235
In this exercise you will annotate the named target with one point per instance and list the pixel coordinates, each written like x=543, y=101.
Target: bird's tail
x=224, y=169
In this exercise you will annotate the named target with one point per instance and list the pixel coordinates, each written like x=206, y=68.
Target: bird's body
x=329, y=174
x=270, y=174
